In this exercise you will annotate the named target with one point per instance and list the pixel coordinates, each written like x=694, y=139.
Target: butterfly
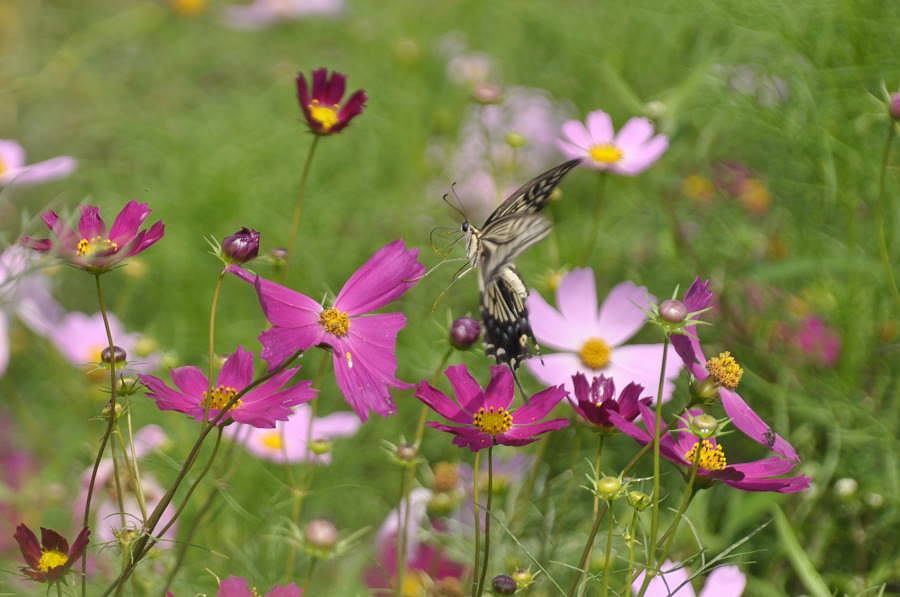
x=514, y=226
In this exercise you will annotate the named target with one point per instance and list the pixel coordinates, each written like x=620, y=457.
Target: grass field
x=201, y=121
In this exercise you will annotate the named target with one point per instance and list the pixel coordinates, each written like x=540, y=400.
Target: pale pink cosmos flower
x=14, y=170
x=81, y=339
x=592, y=341
x=818, y=342
x=630, y=152
x=287, y=443
x=724, y=581
x=25, y=294
x=264, y=13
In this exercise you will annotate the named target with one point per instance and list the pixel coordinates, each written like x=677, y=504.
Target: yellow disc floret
x=493, y=420
x=272, y=440
x=711, y=458
x=219, y=397
x=724, y=369
x=51, y=559
x=88, y=247
x=335, y=322
x=326, y=116
x=605, y=153
x=595, y=353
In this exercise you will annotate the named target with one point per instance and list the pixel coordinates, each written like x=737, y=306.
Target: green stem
x=403, y=516
x=309, y=575
x=607, y=563
x=654, y=514
x=886, y=215
x=213, y=308
x=298, y=203
x=476, y=519
x=487, y=524
x=595, y=523
x=133, y=461
x=591, y=244
x=111, y=423
x=632, y=531
x=120, y=502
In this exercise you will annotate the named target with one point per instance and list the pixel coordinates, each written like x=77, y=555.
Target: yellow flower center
x=2, y=167
x=51, y=559
x=272, y=440
x=335, y=322
x=492, y=420
x=605, y=154
x=326, y=116
x=698, y=187
x=412, y=585
x=187, y=8
x=595, y=353
x=88, y=247
x=219, y=397
x=724, y=369
x=712, y=458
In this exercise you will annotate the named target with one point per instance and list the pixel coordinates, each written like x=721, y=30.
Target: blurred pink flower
x=263, y=13
x=630, y=152
x=16, y=466
x=287, y=441
x=724, y=581
x=24, y=293
x=470, y=68
x=819, y=343
x=235, y=586
x=592, y=341
x=81, y=339
x=14, y=170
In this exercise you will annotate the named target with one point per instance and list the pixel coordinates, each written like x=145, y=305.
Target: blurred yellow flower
x=755, y=196
x=698, y=188
x=188, y=8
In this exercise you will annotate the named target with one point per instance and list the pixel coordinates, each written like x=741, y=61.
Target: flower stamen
x=493, y=420
x=595, y=353
x=326, y=116
x=724, y=369
x=605, y=153
x=52, y=559
x=219, y=397
x=335, y=322
x=712, y=458
x=88, y=247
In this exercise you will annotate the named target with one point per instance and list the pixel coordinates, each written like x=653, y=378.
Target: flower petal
x=638, y=159
x=468, y=392
x=745, y=418
x=521, y=435
x=623, y=312
x=91, y=224
x=78, y=546
x=577, y=133
x=577, y=298
x=441, y=404
x=237, y=371
x=549, y=326
x=389, y=273
x=640, y=363
x=52, y=169
x=538, y=406
x=281, y=305
x=724, y=581
x=234, y=586
x=465, y=437
x=673, y=581
x=600, y=127
x=572, y=151
x=334, y=89
x=51, y=540
x=190, y=380
x=12, y=155
x=501, y=390
x=634, y=133
x=28, y=545
x=554, y=369
x=128, y=222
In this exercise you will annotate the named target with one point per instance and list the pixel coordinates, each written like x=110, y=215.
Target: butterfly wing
x=507, y=332
x=506, y=239
x=532, y=196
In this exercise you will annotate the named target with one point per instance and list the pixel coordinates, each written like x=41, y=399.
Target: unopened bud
x=706, y=390
x=608, y=487
x=704, y=426
x=320, y=447
x=406, y=453
x=894, y=106
x=105, y=412
x=442, y=504
x=515, y=140
x=464, y=332
x=639, y=500
x=321, y=534
x=673, y=311
x=146, y=346
x=446, y=476
x=523, y=577
x=117, y=354
x=486, y=93
x=504, y=584
x=279, y=256
x=242, y=246
x=846, y=487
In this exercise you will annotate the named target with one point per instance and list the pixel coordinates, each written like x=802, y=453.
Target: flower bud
x=406, y=453
x=146, y=346
x=504, y=584
x=608, y=487
x=706, y=390
x=894, y=106
x=279, y=255
x=320, y=447
x=523, y=577
x=846, y=487
x=515, y=140
x=117, y=354
x=321, y=534
x=242, y=246
x=704, y=426
x=446, y=476
x=119, y=409
x=486, y=94
x=639, y=500
x=442, y=504
x=464, y=332
x=672, y=311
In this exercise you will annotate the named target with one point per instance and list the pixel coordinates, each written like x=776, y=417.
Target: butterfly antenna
x=462, y=271
x=446, y=198
x=439, y=264
x=461, y=209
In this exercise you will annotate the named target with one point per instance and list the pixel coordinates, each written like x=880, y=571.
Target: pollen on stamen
x=493, y=420
x=327, y=116
x=595, y=353
x=724, y=369
x=605, y=154
x=712, y=457
x=91, y=246
x=51, y=559
x=219, y=398
x=335, y=322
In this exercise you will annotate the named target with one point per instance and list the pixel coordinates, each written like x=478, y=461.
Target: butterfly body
x=514, y=226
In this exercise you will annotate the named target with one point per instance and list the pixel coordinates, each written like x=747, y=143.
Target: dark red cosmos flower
x=322, y=109
x=49, y=560
x=594, y=401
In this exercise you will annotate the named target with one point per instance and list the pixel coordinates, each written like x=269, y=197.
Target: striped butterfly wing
x=532, y=196
x=506, y=239
x=507, y=332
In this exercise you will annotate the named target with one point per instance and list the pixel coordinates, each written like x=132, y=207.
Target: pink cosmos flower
x=322, y=106
x=14, y=171
x=264, y=13
x=81, y=339
x=287, y=442
x=235, y=586
x=724, y=581
x=94, y=248
x=630, y=152
x=24, y=293
x=819, y=343
x=364, y=344
x=595, y=401
x=681, y=447
x=725, y=373
x=426, y=563
x=592, y=341
x=262, y=406
x=483, y=417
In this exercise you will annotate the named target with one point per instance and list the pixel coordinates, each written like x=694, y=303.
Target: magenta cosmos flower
x=94, y=248
x=596, y=400
x=592, y=341
x=14, y=170
x=322, y=108
x=262, y=406
x=287, y=443
x=264, y=13
x=51, y=559
x=483, y=417
x=630, y=152
x=723, y=373
x=235, y=586
x=364, y=344
x=681, y=448
x=674, y=581
x=820, y=344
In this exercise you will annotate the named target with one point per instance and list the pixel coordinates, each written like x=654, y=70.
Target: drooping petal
x=538, y=406
x=389, y=273
x=699, y=296
x=688, y=348
x=577, y=299
x=365, y=371
x=52, y=169
x=91, y=224
x=751, y=424
x=724, y=581
x=624, y=312
x=465, y=437
x=68, y=238
x=600, y=127
x=500, y=391
x=237, y=371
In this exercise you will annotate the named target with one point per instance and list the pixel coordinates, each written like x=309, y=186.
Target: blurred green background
x=200, y=120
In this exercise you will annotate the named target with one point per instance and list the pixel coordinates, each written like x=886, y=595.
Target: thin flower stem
x=886, y=217
x=589, y=545
x=607, y=562
x=118, y=480
x=591, y=244
x=423, y=414
x=487, y=524
x=654, y=513
x=111, y=423
x=213, y=308
x=476, y=469
x=309, y=575
x=402, y=522
x=298, y=203
x=135, y=470
x=59, y=589
x=632, y=531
